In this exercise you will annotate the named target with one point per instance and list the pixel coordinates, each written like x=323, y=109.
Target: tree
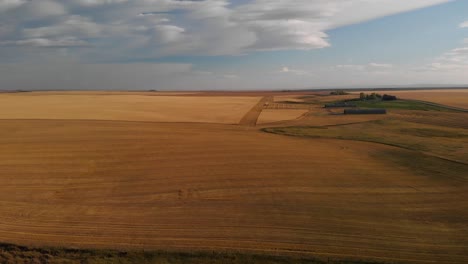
x=362, y=96
x=387, y=97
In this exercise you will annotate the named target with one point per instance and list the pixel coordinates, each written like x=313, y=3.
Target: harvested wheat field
x=303, y=190
x=271, y=116
x=226, y=110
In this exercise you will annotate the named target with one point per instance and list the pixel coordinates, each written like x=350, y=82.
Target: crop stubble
x=192, y=186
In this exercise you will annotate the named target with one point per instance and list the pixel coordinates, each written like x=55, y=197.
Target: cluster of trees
x=376, y=96
x=338, y=92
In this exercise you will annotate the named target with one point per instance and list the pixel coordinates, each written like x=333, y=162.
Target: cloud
x=90, y=76
x=230, y=76
x=124, y=29
x=10, y=4
x=40, y=9
x=88, y=44
x=285, y=69
x=380, y=65
x=99, y=2
x=351, y=67
x=74, y=25
x=464, y=25
x=370, y=67
x=349, y=12
x=47, y=43
x=455, y=60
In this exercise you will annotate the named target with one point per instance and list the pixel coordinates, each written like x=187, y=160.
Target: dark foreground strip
x=20, y=254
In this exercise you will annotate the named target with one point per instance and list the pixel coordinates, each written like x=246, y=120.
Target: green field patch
x=425, y=165
x=400, y=104
x=428, y=132
x=449, y=143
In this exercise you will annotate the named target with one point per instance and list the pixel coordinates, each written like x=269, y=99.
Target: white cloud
x=209, y=27
x=351, y=67
x=355, y=11
x=455, y=60
x=169, y=33
x=99, y=2
x=230, y=76
x=279, y=24
x=91, y=31
x=73, y=25
x=47, y=43
x=10, y=4
x=380, y=65
x=285, y=69
x=41, y=9
x=464, y=24
x=370, y=67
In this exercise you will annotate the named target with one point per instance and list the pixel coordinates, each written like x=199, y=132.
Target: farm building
x=365, y=111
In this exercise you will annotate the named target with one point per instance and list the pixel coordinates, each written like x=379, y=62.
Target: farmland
x=255, y=177
x=450, y=97
x=125, y=107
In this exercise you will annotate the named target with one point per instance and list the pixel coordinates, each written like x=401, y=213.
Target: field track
x=132, y=185
x=250, y=119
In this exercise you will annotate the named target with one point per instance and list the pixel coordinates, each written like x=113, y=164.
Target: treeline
x=338, y=92
x=376, y=96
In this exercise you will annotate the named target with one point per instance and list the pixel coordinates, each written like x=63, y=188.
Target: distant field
x=191, y=186
x=225, y=110
x=456, y=98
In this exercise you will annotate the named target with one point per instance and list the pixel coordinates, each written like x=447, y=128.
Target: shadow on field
x=20, y=254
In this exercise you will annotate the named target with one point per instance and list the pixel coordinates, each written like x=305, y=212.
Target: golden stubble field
x=149, y=107
x=199, y=186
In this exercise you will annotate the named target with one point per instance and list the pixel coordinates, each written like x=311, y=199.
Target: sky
x=231, y=45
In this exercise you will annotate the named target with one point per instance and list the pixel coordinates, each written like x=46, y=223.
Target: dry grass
x=455, y=120
x=226, y=110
